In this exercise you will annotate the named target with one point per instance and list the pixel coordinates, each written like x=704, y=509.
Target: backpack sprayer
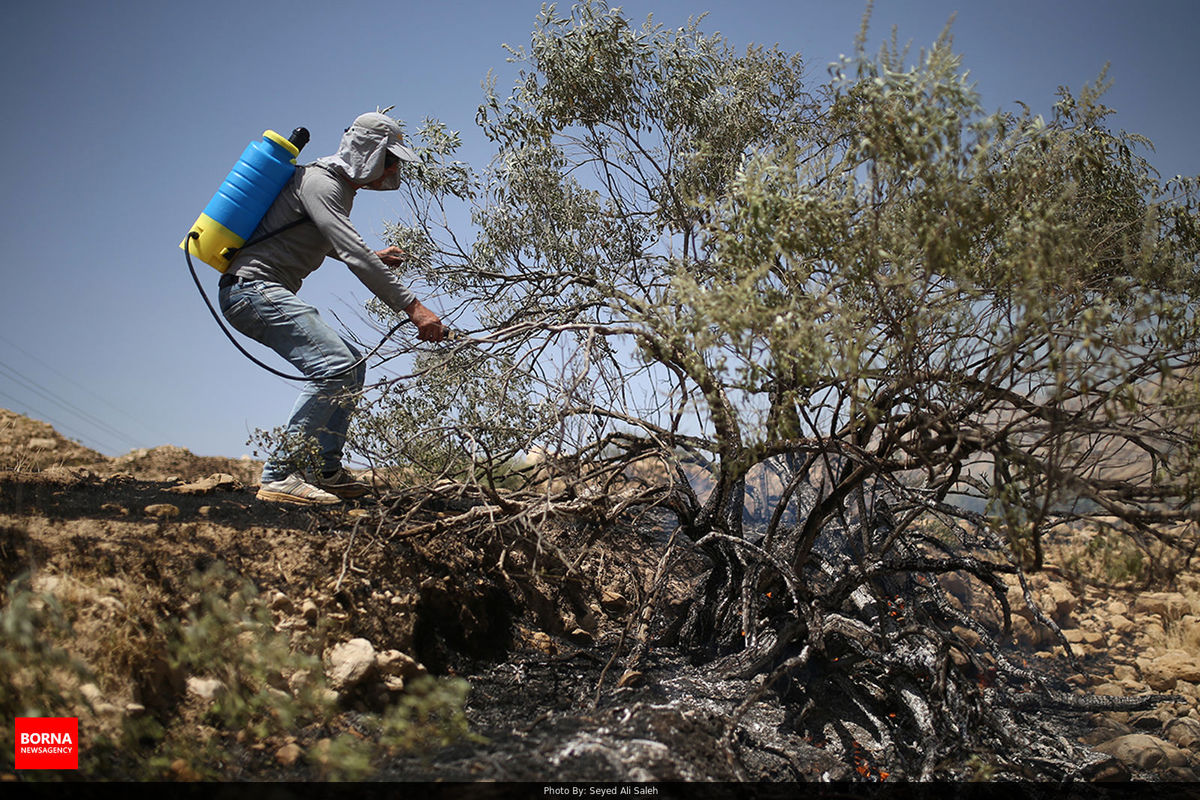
x=234, y=213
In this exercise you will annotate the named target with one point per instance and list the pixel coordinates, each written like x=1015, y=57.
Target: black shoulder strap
x=303, y=218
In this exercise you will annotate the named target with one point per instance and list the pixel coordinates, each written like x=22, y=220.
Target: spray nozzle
x=299, y=138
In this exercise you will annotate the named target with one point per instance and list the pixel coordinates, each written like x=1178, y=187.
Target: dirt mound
x=32, y=445
x=29, y=444
x=168, y=461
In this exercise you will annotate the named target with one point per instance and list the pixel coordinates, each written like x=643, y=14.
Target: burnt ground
x=539, y=628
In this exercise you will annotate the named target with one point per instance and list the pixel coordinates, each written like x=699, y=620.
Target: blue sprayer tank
x=244, y=197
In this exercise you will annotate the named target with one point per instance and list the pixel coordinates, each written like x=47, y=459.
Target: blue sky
x=122, y=118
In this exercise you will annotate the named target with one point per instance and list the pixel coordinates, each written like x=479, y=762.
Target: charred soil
x=538, y=628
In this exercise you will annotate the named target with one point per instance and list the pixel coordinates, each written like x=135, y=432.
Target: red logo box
x=47, y=743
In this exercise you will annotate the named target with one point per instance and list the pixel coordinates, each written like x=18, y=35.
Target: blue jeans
x=268, y=313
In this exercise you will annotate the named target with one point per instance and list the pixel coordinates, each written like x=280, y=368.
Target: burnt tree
x=853, y=337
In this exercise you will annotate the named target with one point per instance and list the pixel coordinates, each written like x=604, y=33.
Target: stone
x=162, y=510
x=1107, y=770
x=613, y=603
x=1145, y=752
x=1026, y=633
x=207, y=689
x=581, y=636
x=288, y=755
x=542, y=641
x=208, y=485
x=630, y=678
x=182, y=771
x=349, y=663
x=1167, y=605
x=282, y=604
x=1125, y=672
x=968, y=637
x=1058, y=602
x=1163, y=672
x=298, y=680
x=1183, y=732
x=398, y=668
x=310, y=612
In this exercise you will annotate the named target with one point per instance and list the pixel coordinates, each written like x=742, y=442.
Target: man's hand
x=392, y=256
x=429, y=325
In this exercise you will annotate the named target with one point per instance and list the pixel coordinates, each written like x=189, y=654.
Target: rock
x=207, y=689
x=349, y=663
x=398, y=668
x=183, y=772
x=1125, y=672
x=613, y=603
x=1105, y=729
x=1189, y=631
x=1167, y=605
x=162, y=511
x=310, y=612
x=581, y=637
x=1109, y=769
x=298, y=680
x=1080, y=636
x=1058, y=603
x=1148, y=631
x=42, y=443
x=1183, y=732
x=542, y=641
x=208, y=485
x=115, y=508
x=1025, y=632
x=1163, y=672
x=1144, y=752
x=280, y=603
x=631, y=677
x=288, y=755
x=968, y=637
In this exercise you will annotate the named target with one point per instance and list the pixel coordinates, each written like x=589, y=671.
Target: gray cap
x=383, y=124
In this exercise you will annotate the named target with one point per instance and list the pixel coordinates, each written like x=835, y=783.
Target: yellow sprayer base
x=215, y=243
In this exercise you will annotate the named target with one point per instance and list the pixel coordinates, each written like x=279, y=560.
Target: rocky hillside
x=199, y=634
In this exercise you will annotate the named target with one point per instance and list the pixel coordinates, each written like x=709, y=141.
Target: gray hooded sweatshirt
x=324, y=192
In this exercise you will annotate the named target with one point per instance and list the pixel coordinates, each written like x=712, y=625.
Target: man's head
x=371, y=152
x=388, y=128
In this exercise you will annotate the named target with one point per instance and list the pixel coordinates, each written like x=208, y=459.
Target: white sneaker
x=294, y=489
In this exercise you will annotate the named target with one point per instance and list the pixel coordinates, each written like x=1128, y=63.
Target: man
x=258, y=297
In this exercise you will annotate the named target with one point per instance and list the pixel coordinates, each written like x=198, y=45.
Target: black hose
x=188, y=255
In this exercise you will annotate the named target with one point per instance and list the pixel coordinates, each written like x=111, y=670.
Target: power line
x=49, y=366
x=59, y=425
x=47, y=394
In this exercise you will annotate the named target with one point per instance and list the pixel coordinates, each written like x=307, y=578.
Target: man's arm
x=326, y=201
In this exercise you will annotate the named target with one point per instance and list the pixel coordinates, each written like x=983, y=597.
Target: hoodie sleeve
x=328, y=200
